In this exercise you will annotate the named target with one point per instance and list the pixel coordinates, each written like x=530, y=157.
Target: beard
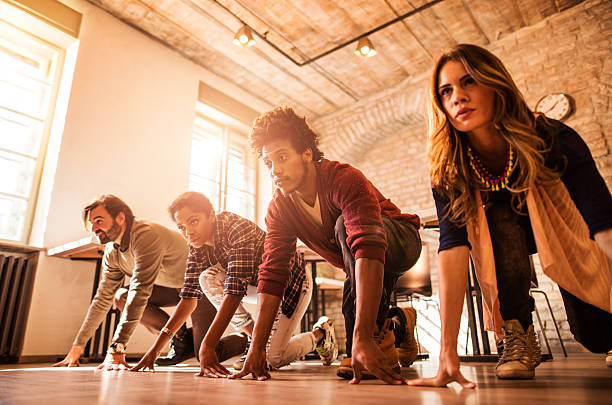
x=300, y=182
x=109, y=235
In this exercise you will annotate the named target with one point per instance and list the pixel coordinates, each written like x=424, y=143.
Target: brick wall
x=568, y=52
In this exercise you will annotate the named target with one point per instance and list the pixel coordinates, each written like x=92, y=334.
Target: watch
x=557, y=106
x=168, y=332
x=116, y=348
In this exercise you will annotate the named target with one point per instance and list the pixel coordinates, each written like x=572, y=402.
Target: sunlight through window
x=28, y=78
x=222, y=165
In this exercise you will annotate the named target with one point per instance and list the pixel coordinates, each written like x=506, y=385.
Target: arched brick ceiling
x=350, y=100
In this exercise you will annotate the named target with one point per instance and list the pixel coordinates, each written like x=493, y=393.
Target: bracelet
x=168, y=332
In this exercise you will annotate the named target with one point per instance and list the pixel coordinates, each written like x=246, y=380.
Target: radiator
x=17, y=270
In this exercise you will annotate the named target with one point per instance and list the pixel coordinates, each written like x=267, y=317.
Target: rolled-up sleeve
x=191, y=286
x=241, y=258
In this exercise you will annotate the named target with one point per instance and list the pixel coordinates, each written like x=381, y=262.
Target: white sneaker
x=327, y=348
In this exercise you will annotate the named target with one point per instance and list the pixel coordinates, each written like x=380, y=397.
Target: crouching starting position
x=509, y=182
x=224, y=254
x=340, y=215
x=154, y=258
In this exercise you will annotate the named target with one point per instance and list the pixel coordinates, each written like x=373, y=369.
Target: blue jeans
x=403, y=251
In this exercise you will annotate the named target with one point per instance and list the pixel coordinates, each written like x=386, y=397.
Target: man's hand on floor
x=114, y=361
x=367, y=355
x=72, y=358
x=254, y=364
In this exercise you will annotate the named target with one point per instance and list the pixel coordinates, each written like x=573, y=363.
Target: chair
x=481, y=349
x=416, y=281
x=534, y=289
x=416, y=284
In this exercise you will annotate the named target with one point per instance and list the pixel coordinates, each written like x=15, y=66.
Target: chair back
x=534, y=277
x=417, y=280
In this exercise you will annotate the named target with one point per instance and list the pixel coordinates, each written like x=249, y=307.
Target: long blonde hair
x=449, y=167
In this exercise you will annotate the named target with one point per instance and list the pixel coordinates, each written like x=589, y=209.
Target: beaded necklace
x=494, y=183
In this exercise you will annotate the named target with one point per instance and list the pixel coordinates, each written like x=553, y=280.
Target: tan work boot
x=609, y=359
x=385, y=339
x=345, y=370
x=533, y=347
x=516, y=362
x=239, y=364
x=404, y=320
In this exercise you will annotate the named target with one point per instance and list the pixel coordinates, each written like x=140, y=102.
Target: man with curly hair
x=338, y=213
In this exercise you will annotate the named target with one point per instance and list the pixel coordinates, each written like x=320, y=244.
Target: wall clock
x=557, y=106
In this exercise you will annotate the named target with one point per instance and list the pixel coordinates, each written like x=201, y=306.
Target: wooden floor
x=579, y=379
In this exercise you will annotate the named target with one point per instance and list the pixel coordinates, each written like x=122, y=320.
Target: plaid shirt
x=238, y=246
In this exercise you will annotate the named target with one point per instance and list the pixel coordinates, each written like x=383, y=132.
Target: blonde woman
x=508, y=183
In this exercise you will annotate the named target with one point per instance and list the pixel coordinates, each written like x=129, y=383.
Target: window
x=30, y=69
x=222, y=165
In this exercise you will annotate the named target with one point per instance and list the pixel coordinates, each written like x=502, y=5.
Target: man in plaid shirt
x=224, y=255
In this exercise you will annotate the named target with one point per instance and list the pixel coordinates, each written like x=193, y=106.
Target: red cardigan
x=342, y=190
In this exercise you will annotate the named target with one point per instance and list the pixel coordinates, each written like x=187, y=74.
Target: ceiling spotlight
x=244, y=37
x=365, y=49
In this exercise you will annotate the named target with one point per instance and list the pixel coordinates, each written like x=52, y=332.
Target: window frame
x=57, y=66
x=231, y=129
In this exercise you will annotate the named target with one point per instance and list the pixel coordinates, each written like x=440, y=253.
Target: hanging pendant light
x=365, y=49
x=244, y=37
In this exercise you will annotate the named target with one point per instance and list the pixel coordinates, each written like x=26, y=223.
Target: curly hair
x=198, y=202
x=284, y=123
x=449, y=168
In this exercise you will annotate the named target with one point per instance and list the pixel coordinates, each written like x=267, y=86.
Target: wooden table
x=319, y=287
x=89, y=249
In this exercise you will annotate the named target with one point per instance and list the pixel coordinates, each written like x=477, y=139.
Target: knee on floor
x=276, y=360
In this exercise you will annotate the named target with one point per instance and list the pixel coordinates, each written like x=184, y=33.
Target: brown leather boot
x=404, y=320
x=385, y=339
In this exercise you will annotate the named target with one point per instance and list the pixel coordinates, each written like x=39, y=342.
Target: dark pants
x=512, y=240
x=154, y=319
x=403, y=251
